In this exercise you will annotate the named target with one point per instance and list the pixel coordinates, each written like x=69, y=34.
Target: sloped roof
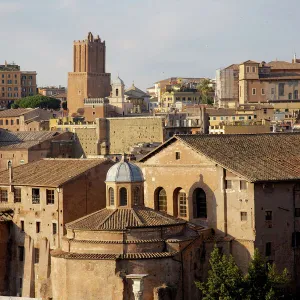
x=122, y=218
x=49, y=172
x=17, y=112
x=23, y=139
x=249, y=62
x=135, y=92
x=256, y=157
x=283, y=65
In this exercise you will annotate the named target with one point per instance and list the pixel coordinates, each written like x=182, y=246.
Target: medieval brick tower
x=88, y=79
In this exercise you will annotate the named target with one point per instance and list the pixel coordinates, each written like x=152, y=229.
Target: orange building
x=15, y=83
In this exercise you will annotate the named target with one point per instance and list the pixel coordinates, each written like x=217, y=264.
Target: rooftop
x=23, y=139
x=17, y=112
x=255, y=157
x=49, y=172
x=283, y=65
x=122, y=218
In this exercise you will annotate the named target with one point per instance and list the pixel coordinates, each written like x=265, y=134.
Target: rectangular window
x=20, y=283
x=243, y=185
x=21, y=253
x=254, y=91
x=36, y=255
x=247, y=69
x=11, y=122
x=54, y=228
x=281, y=89
x=269, y=215
x=177, y=154
x=272, y=91
x=18, y=121
x=297, y=212
x=22, y=225
x=228, y=184
x=17, y=195
x=253, y=69
x=4, y=196
x=268, y=248
x=263, y=91
x=37, y=227
x=268, y=219
x=50, y=196
x=6, y=122
x=35, y=196
x=243, y=216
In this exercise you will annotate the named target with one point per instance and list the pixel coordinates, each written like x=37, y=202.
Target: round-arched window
x=111, y=195
x=162, y=200
x=136, y=196
x=182, y=203
x=123, y=196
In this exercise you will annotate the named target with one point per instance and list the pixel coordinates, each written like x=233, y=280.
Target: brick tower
x=88, y=79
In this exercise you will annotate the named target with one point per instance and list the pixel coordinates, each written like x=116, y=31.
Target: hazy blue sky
x=148, y=40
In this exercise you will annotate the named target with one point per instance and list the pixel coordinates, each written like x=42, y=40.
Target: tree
x=206, y=90
x=37, y=101
x=262, y=281
x=225, y=280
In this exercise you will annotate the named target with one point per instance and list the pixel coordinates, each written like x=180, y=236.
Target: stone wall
x=126, y=132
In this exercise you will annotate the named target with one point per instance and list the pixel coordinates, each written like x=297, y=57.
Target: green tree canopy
x=206, y=91
x=37, y=101
x=225, y=281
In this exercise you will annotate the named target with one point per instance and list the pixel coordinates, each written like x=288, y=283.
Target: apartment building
x=26, y=119
x=43, y=196
x=15, y=84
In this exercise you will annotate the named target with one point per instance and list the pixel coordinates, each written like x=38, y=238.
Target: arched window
x=162, y=200
x=123, y=196
x=111, y=194
x=182, y=203
x=199, y=203
x=117, y=92
x=136, y=196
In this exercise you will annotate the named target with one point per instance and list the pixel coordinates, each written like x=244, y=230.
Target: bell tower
x=89, y=78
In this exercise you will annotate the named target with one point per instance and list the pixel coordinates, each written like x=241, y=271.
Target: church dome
x=118, y=81
x=124, y=171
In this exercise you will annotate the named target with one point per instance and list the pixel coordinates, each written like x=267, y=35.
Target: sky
x=147, y=40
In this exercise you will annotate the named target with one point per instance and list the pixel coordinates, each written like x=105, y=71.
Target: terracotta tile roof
x=122, y=218
x=256, y=157
x=23, y=139
x=221, y=111
x=233, y=67
x=102, y=256
x=117, y=242
x=49, y=172
x=6, y=215
x=8, y=113
x=249, y=62
x=283, y=65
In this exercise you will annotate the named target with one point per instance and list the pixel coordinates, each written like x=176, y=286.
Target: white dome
x=118, y=81
x=124, y=171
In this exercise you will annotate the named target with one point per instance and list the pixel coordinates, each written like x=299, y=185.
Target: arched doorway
x=199, y=204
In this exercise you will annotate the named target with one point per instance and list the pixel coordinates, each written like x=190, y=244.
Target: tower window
x=111, y=196
x=136, y=196
x=117, y=92
x=177, y=155
x=37, y=227
x=123, y=196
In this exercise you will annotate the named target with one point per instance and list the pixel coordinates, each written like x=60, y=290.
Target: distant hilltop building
x=15, y=84
x=254, y=82
x=89, y=78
